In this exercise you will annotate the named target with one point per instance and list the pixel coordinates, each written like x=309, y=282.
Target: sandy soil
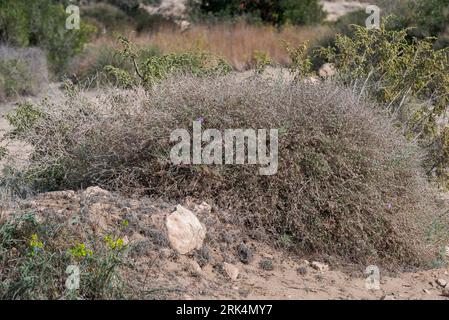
x=338, y=8
x=285, y=282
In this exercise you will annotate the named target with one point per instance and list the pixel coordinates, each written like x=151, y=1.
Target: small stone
x=185, y=231
x=165, y=253
x=441, y=282
x=305, y=263
x=204, y=207
x=56, y=195
x=312, y=80
x=95, y=192
x=231, y=270
x=446, y=251
x=426, y=291
x=327, y=70
x=319, y=266
x=195, y=267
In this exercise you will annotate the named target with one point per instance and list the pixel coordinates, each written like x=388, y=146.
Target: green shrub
x=348, y=183
x=302, y=12
x=432, y=19
x=151, y=70
x=145, y=21
x=109, y=18
x=42, y=23
x=94, y=66
x=275, y=12
x=260, y=60
x=14, y=79
x=301, y=65
x=409, y=78
x=425, y=18
x=125, y=5
x=22, y=72
x=135, y=17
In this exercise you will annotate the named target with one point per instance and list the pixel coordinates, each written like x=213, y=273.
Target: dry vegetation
x=237, y=43
x=354, y=147
x=348, y=183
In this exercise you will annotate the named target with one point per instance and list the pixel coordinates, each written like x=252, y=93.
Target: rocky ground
x=191, y=250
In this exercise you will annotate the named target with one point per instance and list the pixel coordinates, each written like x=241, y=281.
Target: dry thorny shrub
x=348, y=183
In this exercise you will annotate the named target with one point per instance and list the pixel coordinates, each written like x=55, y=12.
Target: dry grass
x=348, y=183
x=237, y=43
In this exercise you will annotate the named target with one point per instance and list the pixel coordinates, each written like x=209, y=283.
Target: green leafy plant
x=301, y=64
x=23, y=117
x=34, y=263
x=409, y=78
x=15, y=79
x=261, y=60
x=80, y=251
x=424, y=18
x=153, y=69
x=42, y=23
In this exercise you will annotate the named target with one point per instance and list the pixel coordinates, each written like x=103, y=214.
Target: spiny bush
x=348, y=184
x=410, y=79
x=22, y=72
x=35, y=256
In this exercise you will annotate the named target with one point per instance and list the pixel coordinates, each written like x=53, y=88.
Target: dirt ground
x=156, y=270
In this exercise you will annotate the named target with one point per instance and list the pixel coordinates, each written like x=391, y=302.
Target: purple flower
x=200, y=119
x=389, y=206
